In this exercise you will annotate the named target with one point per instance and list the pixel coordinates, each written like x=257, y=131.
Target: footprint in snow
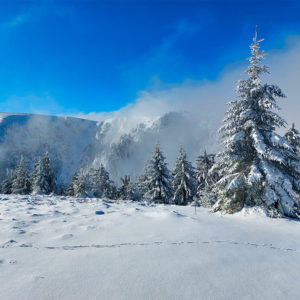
x=91, y=227
x=178, y=214
x=38, y=277
x=8, y=244
x=67, y=236
x=37, y=215
x=13, y=262
x=26, y=245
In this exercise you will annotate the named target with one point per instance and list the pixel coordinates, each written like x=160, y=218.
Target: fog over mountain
x=185, y=115
x=75, y=143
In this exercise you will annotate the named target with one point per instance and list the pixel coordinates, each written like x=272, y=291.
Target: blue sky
x=81, y=56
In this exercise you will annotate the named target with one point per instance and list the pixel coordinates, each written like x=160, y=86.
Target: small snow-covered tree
x=43, y=178
x=35, y=172
x=158, y=184
x=21, y=181
x=206, y=179
x=184, y=182
x=127, y=190
x=48, y=174
x=102, y=185
x=292, y=135
x=6, y=186
x=114, y=194
x=79, y=186
x=257, y=166
x=141, y=185
x=70, y=190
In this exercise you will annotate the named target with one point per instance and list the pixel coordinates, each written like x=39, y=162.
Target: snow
x=61, y=248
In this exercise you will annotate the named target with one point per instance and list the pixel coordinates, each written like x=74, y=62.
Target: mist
x=204, y=102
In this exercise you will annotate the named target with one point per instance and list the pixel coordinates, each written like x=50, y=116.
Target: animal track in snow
x=155, y=243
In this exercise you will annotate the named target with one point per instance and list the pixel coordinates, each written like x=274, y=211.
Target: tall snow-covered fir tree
x=206, y=179
x=184, y=182
x=292, y=135
x=43, y=178
x=158, y=181
x=21, y=181
x=257, y=166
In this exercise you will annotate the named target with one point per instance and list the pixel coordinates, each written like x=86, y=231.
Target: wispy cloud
x=163, y=60
x=36, y=11
x=18, y=20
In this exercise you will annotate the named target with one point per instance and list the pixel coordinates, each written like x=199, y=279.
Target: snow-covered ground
x=67, y=248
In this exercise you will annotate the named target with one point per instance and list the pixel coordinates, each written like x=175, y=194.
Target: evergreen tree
x=79, y=186
x=127, y=190
x=114, y=193
x=21, y=182
x=102, y=186
x=184, y=182
x=292, y=136
x=6, y=186
x=35, y=173
x=206, y=179
x=48, y=175
x=70, y=190
x=158, y=184
x=43, y=178
x=141, y=185
x=257, y=166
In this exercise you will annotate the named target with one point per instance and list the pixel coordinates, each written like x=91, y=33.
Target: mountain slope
x=78, y=143
x=29, y=135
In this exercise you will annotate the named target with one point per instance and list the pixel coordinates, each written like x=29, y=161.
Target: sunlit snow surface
x=66, y=248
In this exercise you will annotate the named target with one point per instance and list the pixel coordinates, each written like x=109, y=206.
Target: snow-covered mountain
x=79, y=143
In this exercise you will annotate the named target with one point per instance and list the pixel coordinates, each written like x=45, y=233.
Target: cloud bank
x=205, y=101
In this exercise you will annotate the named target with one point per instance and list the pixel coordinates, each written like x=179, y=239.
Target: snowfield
x=66, y=248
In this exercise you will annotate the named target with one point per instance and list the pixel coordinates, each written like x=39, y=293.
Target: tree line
x=184, y=185
x=157, y=183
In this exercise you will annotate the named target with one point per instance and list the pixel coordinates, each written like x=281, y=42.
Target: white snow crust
x=66, y=248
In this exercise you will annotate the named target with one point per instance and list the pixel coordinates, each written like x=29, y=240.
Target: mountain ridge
x=75, y=143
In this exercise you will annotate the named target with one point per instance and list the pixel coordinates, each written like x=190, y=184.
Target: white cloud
x=36, y=11
x=206, y=100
